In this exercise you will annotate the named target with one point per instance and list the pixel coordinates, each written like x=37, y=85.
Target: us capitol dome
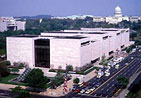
x=118, y=12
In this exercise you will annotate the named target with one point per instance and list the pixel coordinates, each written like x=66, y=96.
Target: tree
x=76, y=80
x=123, y=81
x=21, y=93
x=4, y=71
x=36, y=79
x=133, y=35
x=138, y=42
x=69, y=68
x=128, y=50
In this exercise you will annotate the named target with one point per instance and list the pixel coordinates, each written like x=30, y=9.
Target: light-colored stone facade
x=9, y=23
x=69, y=47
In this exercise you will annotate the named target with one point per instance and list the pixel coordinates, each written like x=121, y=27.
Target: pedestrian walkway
x=58, y=91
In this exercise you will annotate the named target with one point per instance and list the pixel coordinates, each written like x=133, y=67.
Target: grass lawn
x=5, y=80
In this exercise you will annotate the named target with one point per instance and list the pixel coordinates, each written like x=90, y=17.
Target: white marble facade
x=67, y=48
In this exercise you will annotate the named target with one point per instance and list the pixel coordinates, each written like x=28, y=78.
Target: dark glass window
x=85, y=43
x=42, y=53
x=104, y=38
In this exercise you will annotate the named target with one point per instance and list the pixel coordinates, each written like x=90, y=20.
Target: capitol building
x=118, y=17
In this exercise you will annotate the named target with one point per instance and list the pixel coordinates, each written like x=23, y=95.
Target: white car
x=126, y=63
x=80, y=84
x=92, y=89
x=82, y=91
x=107, y=74
x=117, y=66
x=107, y=71
x=132, y=57
x=88, y=91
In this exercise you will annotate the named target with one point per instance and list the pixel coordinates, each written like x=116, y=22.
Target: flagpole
x=65, y=82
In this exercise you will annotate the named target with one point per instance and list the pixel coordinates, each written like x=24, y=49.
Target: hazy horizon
x=68, y=7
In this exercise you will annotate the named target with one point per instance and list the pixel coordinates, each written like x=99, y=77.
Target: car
x=92, y=89
x=74, y=88
x=80, y=84
x=86, y=88
x=82, y=91
x=107, y=74
x=117, y=66
x=88, y=91
x=126, y=63
x=107, y=71
x=77, y=91
x=97, y=85
x=85, y=84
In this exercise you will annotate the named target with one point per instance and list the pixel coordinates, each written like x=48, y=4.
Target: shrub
x=4, y=71
x=8, y=63
x=80, y=72
x=21, y=65
x=61, y=70
x=69, y=68
x=21, y=93
x=76, y=80
x=52, y=70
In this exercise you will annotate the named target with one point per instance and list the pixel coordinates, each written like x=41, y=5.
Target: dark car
x=74, y=88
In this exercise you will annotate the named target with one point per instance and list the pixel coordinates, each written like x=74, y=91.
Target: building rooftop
x=66, y=37
x=83, y=32
x=25, y=35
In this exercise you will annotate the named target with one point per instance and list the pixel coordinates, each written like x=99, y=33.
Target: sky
x=68, y=7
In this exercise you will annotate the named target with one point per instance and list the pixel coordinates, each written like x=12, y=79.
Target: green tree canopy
x=123, y=81
x=76, y=80
x=21, y=93
x=4, y=71
x=69, y=68
x=36, y=79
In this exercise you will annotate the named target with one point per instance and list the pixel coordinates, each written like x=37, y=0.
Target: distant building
x=73, y=17
x=99, y=19
x=118, y=17
x=72, y=47
x=9, y=23
x=134, y=19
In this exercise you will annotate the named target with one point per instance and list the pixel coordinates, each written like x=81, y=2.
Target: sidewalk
x=59, y=90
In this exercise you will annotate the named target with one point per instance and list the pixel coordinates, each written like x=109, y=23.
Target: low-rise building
x=9, y=23
x=72, y=47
